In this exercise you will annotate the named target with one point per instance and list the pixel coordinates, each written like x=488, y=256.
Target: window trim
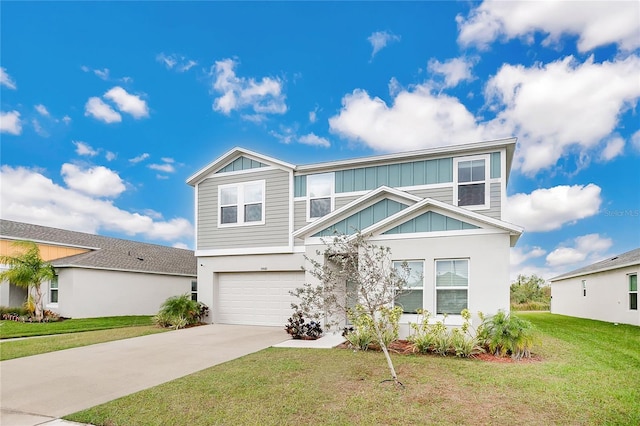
x=423, y=262
x=240, y=204
x=332, y=195
x=634, y=274
x=52, y=289
x=435, y=282
x=486, y=181
x=194, y=292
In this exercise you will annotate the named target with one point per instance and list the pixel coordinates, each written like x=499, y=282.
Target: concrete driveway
x=39, y=388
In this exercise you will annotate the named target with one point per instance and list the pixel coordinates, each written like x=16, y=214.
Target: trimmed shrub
x=298, y=328
x=180, y=312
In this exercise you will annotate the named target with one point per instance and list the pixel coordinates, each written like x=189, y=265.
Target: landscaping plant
x=506, y=334
x=298, y=328
x=179, y=312
x=435, y=337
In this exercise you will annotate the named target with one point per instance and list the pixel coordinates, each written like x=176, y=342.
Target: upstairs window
x=472, y=187
x=633, y=292
x=241, y=204
x=410, y=298
x=320, y=191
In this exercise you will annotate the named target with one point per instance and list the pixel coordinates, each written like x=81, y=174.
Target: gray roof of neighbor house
x=106, y=252
x=625, y=259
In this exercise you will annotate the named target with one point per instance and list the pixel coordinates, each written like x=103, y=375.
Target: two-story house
x=439, y=209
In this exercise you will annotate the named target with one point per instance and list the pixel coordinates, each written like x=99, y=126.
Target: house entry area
x=255, y=298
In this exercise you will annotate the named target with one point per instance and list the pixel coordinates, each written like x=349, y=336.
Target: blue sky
x=106, y=108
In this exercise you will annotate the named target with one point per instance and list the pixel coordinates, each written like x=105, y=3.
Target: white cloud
x=181, y=246
x=98, y=109
x=453, y=70
x=587, y=247
x=595, y=23
x=394, y=87
x=110, y=156
x=614, y=147
x=66, y=119
x=560, y=105
x=417, y=119
x=313, y=115
x=166, y=167
x=28, y=196
x=380, y=39
x=10, y=122
x=286, y=135
x=520, y=255
x=236, y=93
x=97, y=181
x=139, y=158
x=37, y=127
x=42, y=110
x=168, y=160
x=83, y=148
x=126, y=102
x=6, y=80
x=177, y=62
x=550, y=208
x=314, y=140
x=103, y=73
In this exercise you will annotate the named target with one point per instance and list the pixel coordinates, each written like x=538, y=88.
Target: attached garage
x=255, y=298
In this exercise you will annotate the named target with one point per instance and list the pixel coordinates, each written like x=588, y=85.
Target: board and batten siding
x=275, y=231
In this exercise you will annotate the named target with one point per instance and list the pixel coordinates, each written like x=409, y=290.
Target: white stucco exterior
x=606, y=299
x=91, y=293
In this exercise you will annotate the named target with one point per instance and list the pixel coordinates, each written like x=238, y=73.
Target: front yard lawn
x=588, y=374
x=10, y=329
x=10, y=349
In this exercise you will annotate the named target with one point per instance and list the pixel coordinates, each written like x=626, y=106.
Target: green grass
x=10, y=349
x=587, y=372
x=10, y=329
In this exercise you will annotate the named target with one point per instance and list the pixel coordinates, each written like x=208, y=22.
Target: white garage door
x=256, y=298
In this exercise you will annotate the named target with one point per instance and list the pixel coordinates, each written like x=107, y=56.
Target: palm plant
x=28, y=270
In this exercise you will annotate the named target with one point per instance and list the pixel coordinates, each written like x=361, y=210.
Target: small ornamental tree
x=28, y=270
x=353, y=271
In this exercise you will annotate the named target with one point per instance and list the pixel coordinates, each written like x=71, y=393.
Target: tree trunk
x=37, y=301
x=383, y=346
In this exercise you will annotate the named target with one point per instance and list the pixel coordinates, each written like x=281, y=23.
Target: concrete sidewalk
x=41, y=388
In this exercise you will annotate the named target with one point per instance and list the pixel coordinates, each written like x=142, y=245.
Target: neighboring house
x=439, y=209
x=605, y=291
x=100, y=276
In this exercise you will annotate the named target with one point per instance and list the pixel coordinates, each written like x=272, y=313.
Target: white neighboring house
x=99, y=276
x=439, y=209
x=605, y=291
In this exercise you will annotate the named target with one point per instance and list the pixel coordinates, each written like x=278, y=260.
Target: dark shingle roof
x=624, y=259
x=107, y=252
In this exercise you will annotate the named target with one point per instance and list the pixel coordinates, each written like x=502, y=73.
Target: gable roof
x=348, y=209
x=623, y=260
x=231, y=155
x=418, y=205
x=106, y=252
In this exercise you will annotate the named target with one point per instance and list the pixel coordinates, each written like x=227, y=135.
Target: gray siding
x=441, y=194
x=299, y=217
x=275, y=231
x=343, y=201
x=496, y=202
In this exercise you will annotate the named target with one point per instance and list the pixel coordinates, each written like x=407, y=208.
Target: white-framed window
x=194, y=290
x=241, y=204
x=471, y=189
x=633, y=292
x=320, y=195
x=584, y=288
x=53, y=290
x=411, y=298
x=452, y=286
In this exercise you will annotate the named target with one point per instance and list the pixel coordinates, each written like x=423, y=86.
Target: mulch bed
x=404, y=347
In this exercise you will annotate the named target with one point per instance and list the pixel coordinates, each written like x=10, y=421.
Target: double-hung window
x=410, y=299
x=633, y=292
x=320, y=191
x=194, y=290
x=471, y=182
x=53, y=290
x=241, y=203
x=452, y=285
